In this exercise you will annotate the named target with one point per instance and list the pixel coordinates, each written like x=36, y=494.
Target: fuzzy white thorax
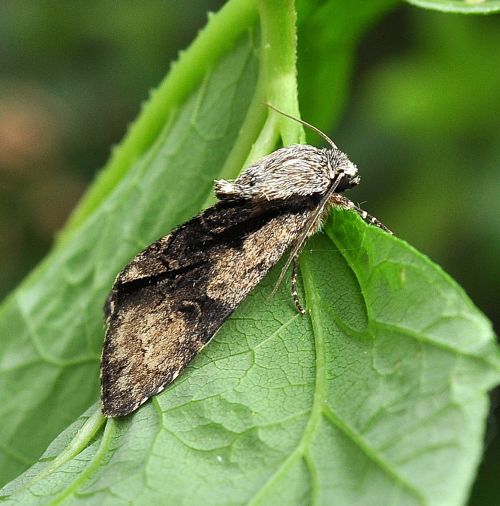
x=297, y=170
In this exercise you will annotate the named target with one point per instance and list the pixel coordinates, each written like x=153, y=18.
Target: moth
x=171, y=299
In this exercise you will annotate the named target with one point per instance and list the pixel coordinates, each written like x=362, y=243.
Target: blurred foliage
x=421, y=121
x=70, y=81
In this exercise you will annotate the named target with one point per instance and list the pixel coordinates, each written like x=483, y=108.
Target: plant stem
x=279, y=59
x=79, y=442
x=277, y=84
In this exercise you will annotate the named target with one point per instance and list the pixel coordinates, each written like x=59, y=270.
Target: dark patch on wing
x=170, y=299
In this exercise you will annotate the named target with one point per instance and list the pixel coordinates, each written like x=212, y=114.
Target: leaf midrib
x=320, y=407
x=314, y=418
x=91, y=467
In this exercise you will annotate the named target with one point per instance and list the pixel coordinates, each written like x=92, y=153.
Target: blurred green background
x=421, y=121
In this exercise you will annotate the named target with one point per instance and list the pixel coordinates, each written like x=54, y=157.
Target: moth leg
x=344, y=202
x=295, y=295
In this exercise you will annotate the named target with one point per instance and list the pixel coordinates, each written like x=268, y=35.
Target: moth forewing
x=162, y=320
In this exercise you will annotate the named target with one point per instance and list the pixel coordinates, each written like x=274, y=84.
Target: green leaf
x=461, y=6
x=378, y=395
x=360, y=402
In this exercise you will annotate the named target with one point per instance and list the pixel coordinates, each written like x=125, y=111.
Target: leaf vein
x=370, y=452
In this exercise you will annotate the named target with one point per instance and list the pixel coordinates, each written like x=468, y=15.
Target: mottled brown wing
x=170, y=300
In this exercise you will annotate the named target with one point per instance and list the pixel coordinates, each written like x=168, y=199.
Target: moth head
x=340, y=164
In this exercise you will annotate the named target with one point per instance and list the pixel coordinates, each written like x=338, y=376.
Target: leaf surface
x=360, y=402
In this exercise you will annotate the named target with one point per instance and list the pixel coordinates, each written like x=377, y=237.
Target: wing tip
x=115, y=408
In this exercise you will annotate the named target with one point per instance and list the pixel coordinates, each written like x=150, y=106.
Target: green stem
x=267, y=140
x=91, y=467
x=279, y=63
x=75, y=446
x=221, y=31
x=277, y=84
x=278, y=76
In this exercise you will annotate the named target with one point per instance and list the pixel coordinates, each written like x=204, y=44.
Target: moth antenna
x=306, y=124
